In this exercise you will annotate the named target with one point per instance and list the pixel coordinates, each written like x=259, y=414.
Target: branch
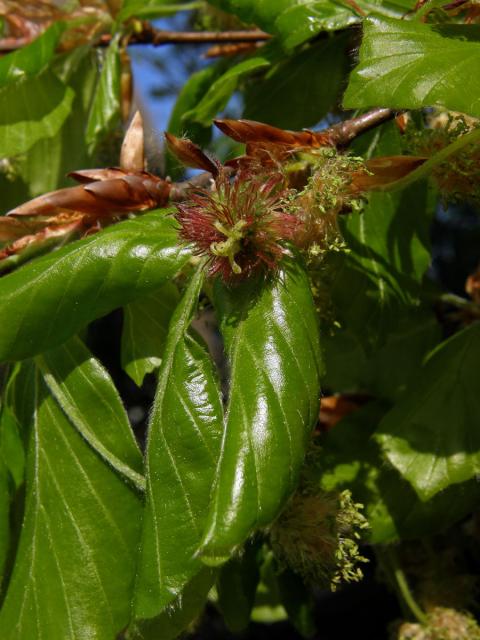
x=181, y=190
x=158, y=37
x=343, y=133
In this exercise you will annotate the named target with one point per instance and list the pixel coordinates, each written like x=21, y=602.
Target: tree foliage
x=341, y=409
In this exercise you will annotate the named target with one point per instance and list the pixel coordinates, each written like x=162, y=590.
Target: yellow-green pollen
x=232, y=245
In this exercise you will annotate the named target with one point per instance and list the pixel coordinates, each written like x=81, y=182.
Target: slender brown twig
x=343, y=133
x=158, y=37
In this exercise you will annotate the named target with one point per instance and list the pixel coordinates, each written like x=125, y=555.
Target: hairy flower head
x=242, y=225
x=317, y=536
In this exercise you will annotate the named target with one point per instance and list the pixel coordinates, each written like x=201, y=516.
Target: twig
x=181, y=190
x=158, y=37
x=343, y=133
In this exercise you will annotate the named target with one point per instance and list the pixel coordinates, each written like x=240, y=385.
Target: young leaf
x=105, y=110
x=388, y=255
x=66, y=150
x=179, y=614
x=294, y=21
x=33, y=58
x=300, y=90
x=272, y=343
x=430, y=436
x=236, y=586
x=351, y=459
x=33, y=108
x=52, y=298
x=145, y=327
x=5, y=499
x=395, y=54
x=75, y=562
x=87, y=395
x=219, y=93
x=182, y=451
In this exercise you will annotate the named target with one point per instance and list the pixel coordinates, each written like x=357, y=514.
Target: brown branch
x=343, y=133
x=158, y=37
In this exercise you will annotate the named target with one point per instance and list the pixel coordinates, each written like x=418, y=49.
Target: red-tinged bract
x=242, y=225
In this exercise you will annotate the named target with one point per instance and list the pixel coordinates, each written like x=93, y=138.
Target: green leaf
x=294, y=21
x=349, y=367
x=182, y=452
x=75, y=562
x=87, y=395
x=45, y=302
x=105, y=111
x=66, y=151
x=351, y=459
x=179, y=614
x=180, y=123
x=431, y=435
x=236, y=586
x=33, y=58
x=222, y=89
x=300, y=90
x=272, y=344
x=388, y=254
x=5, y=500
x=11, y=447
x=145, y=327
x=304, y=20
x=153, y=9
x=298, y=602
x=33, y=108
x=408, y=65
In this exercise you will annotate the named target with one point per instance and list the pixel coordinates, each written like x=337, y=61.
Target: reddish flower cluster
x=241, y=225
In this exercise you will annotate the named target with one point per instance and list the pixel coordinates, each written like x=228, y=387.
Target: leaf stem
x=402, y=586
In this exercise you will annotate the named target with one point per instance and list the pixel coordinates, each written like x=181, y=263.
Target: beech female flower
x=242, y=225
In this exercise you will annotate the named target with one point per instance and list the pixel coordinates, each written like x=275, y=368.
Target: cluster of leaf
x=100, y=540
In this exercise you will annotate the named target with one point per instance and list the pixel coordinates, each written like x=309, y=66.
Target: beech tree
x=336, y=426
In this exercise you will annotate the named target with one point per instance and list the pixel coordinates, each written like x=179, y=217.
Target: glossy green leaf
x=31, y=109
x=410, y=64
x=105, y=111
x=85, y=392
x=272, y=345
x=31, y=59
x=145, y=327
x=299, y=91
x=182, y=452
x=50, y=299
x=236, y=587
x=294, y=21
x=222, y=89
x=74, y=567
x=431, y=435
x=351, y=459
